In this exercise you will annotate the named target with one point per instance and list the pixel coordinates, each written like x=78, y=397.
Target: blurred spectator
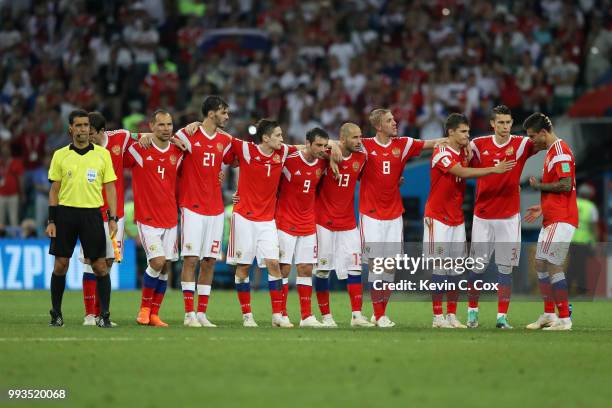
x=40, y=180
x=11, y=185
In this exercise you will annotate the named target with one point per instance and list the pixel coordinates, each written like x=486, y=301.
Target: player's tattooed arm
x=562, y=186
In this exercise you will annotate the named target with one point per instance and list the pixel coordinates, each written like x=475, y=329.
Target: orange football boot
x=154, y=320
x=144, y=316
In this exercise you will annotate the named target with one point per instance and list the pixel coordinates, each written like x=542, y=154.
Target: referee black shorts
x=85, y=224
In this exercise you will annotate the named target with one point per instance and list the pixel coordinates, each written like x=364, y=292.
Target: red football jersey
x=445, y=200
x=379, y=192
x=559, y=207
x=117, y=142
x=335, y=203
x=154, y=173
x=258, y=179
x=498, y=195
x=296, y=198
x=199, y=186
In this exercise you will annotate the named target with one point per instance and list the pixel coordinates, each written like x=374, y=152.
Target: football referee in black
x=78, y=172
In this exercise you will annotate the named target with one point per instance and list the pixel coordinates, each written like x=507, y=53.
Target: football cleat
x=287, y=321
x=191, y=320
x=472, y=321
x=56, y=319
x=439, y=322
x=384, y=322
x=89, y=320
x=143, y=316
x=454, y=322
x=545, y=320
x=502, y=323
x=154, y=320
x=104, y=322
x=248, y=320
x=311, y=321
x=203, y=320
x=361, y=321
x=279, y=321
x=328, y=321
x=560, y=324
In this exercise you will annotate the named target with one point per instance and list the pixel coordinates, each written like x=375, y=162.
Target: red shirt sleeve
x=443, y=161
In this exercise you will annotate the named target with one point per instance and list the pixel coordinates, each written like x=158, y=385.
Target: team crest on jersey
x=116, y=150
x=396, y=152
x=355, y=166
x=323, y=261
x=276, y=158
x=152, y=248
x=91, y=175
x=219, y=147
x=173, y=159
x=318, y=173
x=510, y=151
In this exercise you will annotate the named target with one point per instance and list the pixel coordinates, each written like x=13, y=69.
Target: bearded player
x=339, y=247
x=560, y=211
x=295, y=219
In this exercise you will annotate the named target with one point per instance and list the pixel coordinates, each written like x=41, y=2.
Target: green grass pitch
x=409, y=365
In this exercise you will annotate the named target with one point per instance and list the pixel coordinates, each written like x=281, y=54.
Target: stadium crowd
x=305, y=63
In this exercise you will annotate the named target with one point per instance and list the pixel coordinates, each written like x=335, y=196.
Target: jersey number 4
x=161, y=171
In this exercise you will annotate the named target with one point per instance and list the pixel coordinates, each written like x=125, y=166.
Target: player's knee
x=190, y=262
x=285, y=270
x=99, y=267
x=304, y=270
x=322, y=274
x=242, y=272
x=273, y=267
x=157, y=263
x=60, y=268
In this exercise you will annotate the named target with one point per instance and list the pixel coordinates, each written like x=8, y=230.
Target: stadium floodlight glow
x=445, y=11
x=252, y=130
x=594, y=50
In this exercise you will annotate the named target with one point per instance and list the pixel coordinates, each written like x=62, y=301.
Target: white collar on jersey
x=316, y=160
x=383, y=145
x=161, y=150
x=453, y=150
x=501, y=145
x=206, y=134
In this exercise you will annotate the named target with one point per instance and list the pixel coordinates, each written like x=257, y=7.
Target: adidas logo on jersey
x=197, y=144
x=149, y=158
x=486, y=153
x=374, y=153
x=258, y=158
x=298, y=173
